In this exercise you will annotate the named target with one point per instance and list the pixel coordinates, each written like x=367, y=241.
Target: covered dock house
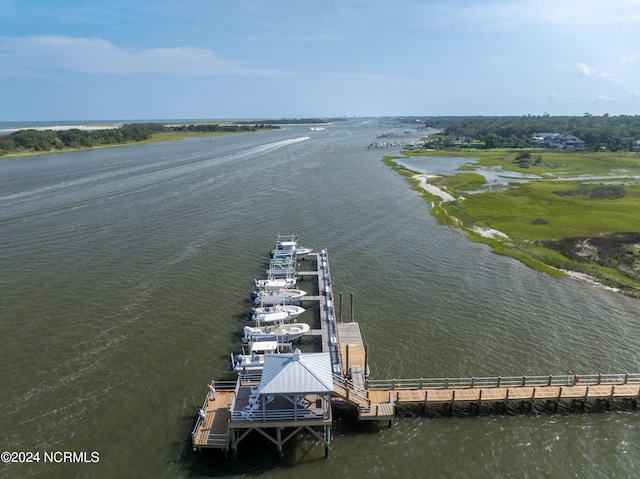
x=292, y=395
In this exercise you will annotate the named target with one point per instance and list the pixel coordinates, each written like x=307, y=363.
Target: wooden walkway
x=522, y=389
x=506, y=394
x=351, y=347
x=213, y=430
x=327, y=332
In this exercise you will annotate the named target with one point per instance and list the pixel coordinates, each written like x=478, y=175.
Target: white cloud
x=589, y=72
x=634, y=92
x=584, y=70
x=605, y=98
x=30, y=56
x=632, y=58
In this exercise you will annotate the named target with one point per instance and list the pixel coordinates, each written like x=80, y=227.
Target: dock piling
x=366, y=361
x=353, y=305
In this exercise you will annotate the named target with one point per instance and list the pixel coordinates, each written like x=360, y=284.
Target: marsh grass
x=581, y=205
x=462, y=182
x=181, y=135
x=518, y=211
x=554, y=164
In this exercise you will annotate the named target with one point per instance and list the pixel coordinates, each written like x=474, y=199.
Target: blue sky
x=156, y=59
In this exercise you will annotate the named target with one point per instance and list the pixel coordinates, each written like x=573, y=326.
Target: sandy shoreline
x=433, y=189
x=98, y=126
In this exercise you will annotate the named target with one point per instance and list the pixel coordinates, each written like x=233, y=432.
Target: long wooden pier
x=519, y=389
x=222, y=422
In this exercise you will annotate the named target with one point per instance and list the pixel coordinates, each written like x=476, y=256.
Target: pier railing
x=346, y=389
x=505, y=381
x=210, y=439
x=281, y=415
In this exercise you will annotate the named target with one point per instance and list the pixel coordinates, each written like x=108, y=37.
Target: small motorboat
x=282, y=333
x=287, y=245
x=273, y=283
x=269, y=316
x=280, y=271
x=254, y=360
x=283, y=296
x=280, y=312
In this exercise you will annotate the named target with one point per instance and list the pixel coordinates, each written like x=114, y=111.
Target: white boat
x=282, y=333
x=273, y=283
x=269, y=316
x=283, y=260
x=254, y=361
x=280, y=312
x=287, y=245
x=280, y=271
x=283, y=296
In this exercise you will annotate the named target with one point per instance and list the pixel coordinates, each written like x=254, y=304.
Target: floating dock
x=278, y=411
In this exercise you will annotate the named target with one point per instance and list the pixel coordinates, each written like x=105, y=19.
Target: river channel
x=126, y=273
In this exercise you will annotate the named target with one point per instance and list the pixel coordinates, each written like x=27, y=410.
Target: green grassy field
x=181, y=135
x=536, y=211
x=554, y=163
x=578, y=197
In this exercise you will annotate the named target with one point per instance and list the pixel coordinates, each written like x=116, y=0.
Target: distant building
x=543, y=138
x=558, y=141
x=635, y=146
x=460, y=142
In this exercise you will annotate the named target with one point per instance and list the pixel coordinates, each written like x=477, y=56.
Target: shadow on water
x=257, y=455
x=492, y=410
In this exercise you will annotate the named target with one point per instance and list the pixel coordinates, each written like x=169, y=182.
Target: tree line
x=55, y=140
x=612, y=133
x=213, y=127
x=297, y=121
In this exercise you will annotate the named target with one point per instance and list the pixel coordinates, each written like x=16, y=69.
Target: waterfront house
x=558, y=141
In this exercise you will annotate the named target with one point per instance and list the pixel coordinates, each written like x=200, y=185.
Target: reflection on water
x=497, y=179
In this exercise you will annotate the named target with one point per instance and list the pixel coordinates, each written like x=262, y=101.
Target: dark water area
x=125, y=272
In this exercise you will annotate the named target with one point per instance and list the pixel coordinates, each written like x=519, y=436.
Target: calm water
x=496, y=177
x=125, y=272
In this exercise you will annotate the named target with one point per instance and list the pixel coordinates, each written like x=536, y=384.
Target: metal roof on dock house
x=296, y=373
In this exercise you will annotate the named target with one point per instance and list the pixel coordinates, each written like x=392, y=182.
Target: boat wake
x=58, y=196
x=276, y=144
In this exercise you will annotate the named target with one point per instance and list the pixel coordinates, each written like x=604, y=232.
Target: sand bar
x=433, y=189
x=109, y=126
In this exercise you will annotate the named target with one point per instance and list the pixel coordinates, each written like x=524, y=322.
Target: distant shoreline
x=95, y=127
x=31, y=140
